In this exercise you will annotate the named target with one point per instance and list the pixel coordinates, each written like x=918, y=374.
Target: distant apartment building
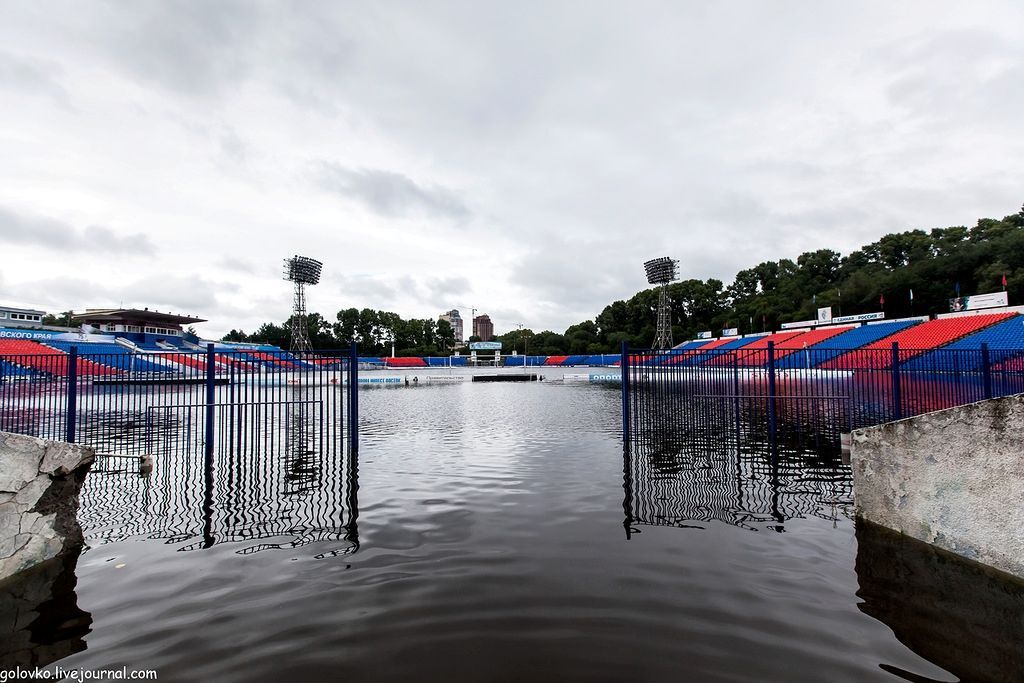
x=482, y=327
x=20, y=317
x=455, y=320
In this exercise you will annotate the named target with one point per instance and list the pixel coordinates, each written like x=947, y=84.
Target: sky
x=522, y=159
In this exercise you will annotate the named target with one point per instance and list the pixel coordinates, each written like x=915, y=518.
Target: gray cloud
x=390, y=194
x=192, y=47
x=32, y=75
x=577, y=143
x=438, y=291
x=186, y=294
x=17, y=228
x=373, y=291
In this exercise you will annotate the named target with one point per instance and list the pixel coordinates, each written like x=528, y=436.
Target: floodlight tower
x=661, y=271
x=302, y=271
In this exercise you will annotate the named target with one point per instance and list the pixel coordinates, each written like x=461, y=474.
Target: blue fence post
x=624, y=369
x=897, y=399
x=772, y=423
x=353, y=398
x=72, y=414
x=211, y=390
x=986, y=370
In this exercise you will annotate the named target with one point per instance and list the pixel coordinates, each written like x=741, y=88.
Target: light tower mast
x=302, y=271
x=661, y=271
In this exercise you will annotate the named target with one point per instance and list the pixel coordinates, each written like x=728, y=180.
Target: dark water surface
x=483, y=535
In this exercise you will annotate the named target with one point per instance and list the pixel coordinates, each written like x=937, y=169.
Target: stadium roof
x=143, y=314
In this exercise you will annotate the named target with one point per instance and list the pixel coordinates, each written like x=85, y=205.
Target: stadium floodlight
x=661, y=271
x=302, y=271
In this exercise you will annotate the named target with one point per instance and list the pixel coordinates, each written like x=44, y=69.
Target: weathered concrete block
x=39, y=486
x=20, y=461
x=953, y=478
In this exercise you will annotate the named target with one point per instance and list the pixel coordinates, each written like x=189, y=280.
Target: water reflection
x=682, y=477
x=279, y=498
x=41, y=620
x=962, y=616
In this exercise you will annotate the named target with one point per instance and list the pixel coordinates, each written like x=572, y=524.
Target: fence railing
x=777, y=392
x=135, y=403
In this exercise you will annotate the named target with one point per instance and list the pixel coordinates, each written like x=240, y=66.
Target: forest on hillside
x=909, y=273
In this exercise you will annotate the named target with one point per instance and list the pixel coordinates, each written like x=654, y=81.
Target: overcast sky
x=522, y=158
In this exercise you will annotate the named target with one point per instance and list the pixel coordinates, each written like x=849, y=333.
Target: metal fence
x=782, y=394
x=751, y=437
x=131, y=403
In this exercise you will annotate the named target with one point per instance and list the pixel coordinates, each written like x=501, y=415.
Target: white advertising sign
x=704, y=335
x=731, y=332
x=799, y=323
x=824, y=315
x=976, y=301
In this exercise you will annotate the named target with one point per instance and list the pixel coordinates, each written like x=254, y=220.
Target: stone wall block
x=953, y=478
x=62, y=458
x=40, y=483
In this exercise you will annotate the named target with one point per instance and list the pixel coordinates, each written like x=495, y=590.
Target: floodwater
x=499, y=532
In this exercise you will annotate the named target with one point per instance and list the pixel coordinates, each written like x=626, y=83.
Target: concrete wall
x=953, y=478
x=39, y=486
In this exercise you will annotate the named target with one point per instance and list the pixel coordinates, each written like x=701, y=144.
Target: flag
x=1004, y=282
x=881, y=299
x=911, y=295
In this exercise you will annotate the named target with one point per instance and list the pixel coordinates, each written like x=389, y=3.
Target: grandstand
x=755, y=353
x=143, y=342
x=836, y=345
x=29, y=358
x=1005, y=342
x=914, y=341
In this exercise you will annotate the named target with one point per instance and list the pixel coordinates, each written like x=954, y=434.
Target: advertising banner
x=485, y=346
x=976, y=301
x=29, y=334
x=824, y=315
x=799, y=323
x=858, y=318
x=731, y=332
x=704, y=335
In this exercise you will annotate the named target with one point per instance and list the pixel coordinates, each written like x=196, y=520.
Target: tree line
x=902, y=274
x=375, y=332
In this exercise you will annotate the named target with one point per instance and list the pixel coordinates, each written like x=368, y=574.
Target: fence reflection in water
x=262, y=499
x=679, y=477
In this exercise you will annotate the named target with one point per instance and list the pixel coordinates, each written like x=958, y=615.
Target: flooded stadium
x=502, y=532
